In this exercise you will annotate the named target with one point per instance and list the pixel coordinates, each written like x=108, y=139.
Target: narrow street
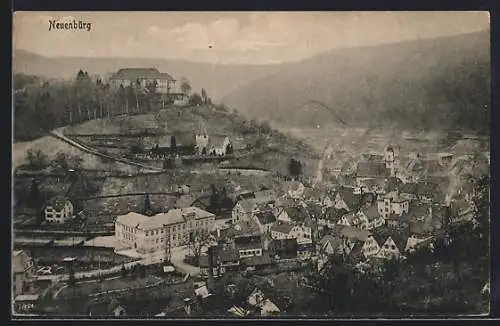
x=178, y=255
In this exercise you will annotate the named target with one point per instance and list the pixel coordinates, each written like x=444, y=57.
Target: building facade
x=143, y=77
x=150, y=234
x=244, y=210
x=392, y=204
x=24, y=273
x=58, y=210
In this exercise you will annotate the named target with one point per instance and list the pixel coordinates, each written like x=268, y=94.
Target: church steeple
x=202, y=127
x=202, y=138
x=389, y=160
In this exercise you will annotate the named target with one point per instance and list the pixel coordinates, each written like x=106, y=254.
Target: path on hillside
x=59, y=135
x=170, y=193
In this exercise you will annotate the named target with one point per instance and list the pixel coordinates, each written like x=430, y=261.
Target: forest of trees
x=40, y=106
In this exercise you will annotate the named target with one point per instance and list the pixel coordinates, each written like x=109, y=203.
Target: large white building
x=165, y=83
x=148, y=234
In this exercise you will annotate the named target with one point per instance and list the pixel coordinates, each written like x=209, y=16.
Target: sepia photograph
x=248, y=165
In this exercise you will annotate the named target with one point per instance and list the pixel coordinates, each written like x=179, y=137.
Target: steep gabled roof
x=137, y=73
x=351, y=217
x=297, y=213
x=333, y=214
x=372, y=169
x=265, y=217
x=57, y=202
x=329, y=240
x=355, y=233
x=356, y=253
x=351, y=199
x=282, y=227
x=371, y=212
x=400, y=238
x=416, y=212
x=426, y=223
x=246, y=228
x=247, y=204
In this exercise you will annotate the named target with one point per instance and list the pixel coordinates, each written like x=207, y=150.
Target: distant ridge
x=218, y=80
x=432, y=83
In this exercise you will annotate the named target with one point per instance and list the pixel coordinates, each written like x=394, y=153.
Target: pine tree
x=148, y=209
x=34, y=198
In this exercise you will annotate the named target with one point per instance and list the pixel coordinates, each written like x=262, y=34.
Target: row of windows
x=128, y=236
x=57, y=215
x=182, y=236
x=129, y=229
x=251, y=252
x=392, y=247
x=181, y=227
x=143, y=80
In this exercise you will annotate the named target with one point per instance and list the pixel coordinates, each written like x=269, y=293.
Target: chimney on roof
x=188, y=306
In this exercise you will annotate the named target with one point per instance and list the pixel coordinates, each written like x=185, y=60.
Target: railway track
x=89, y=150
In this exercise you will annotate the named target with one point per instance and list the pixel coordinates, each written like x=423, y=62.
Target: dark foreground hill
x=422, y=84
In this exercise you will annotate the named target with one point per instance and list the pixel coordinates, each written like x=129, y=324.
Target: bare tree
x=198, y=239
x=185, y=86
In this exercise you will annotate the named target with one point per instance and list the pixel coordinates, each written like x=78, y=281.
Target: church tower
x=389, y=160
x=202, y=138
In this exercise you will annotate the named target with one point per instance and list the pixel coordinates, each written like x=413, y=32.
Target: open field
x=51, y=147
x=273, y=153
x=85, y=256
x=119, y=125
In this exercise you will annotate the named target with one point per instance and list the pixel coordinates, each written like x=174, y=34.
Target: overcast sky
x=232, y=38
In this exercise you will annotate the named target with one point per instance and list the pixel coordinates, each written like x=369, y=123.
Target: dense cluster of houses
x=391, y=210
x=378, y=217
